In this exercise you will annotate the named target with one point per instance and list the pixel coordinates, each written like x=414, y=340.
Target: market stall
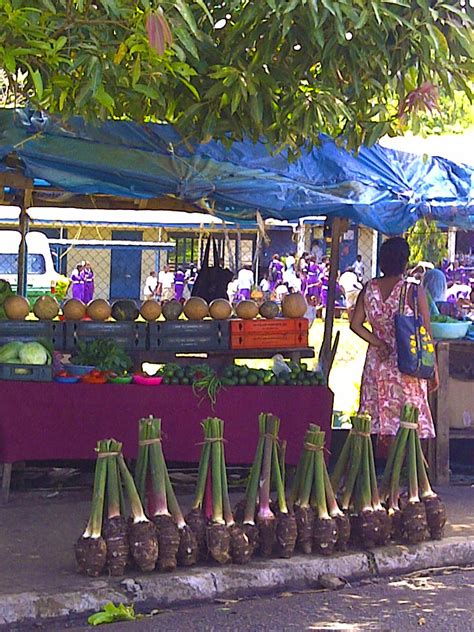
x=453, y=403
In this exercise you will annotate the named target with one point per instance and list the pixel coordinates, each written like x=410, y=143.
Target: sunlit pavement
x=442, y=601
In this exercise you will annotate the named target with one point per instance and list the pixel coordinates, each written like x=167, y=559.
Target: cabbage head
x=34, y=353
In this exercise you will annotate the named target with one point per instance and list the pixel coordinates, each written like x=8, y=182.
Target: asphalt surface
x=441, y=601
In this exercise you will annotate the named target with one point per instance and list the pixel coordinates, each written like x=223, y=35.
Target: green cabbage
x=10, y=352
x=34, y=353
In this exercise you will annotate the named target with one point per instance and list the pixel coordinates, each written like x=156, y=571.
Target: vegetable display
x=423, y=512
x=36, y=353
x=105, y=355
x=355, y=476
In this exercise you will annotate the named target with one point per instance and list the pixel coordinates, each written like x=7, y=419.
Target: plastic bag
x=279, y=366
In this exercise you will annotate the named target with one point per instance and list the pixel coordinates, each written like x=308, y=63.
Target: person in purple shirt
x=77, y=283
x=313, y=281
x=179, y=284
x=275, y=272
x=88, y=277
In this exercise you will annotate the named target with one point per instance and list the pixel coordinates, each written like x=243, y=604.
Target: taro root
x=413, y=522
x=304, y=525
x=241, y=548
x=197, y=523
x=90, y=548
x=118, y=550
x=324, y=528
x=218, y=542
x=343, y=525
x=435, y=516
x=141, y=532
x=175, y=539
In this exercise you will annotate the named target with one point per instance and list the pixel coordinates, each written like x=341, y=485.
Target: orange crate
x=264, y=327
x=268, y=341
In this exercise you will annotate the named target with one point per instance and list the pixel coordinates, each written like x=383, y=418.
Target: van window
x=9, y=264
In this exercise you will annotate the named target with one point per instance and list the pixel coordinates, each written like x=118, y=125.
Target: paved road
x=432, y=602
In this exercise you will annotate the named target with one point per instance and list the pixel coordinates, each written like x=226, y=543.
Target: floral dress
x=384, y=390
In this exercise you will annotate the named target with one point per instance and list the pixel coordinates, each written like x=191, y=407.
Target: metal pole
x=24, y=221
x=338, y=227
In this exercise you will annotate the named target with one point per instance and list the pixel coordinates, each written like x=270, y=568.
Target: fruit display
x=269, y=309
x=74, y=309
x=99, y=309
x=294, y=305
x=124, y=310
x=247, y=309
x=196, y=308
x=220, y=309
x=150, y=310
x=423, y=513
x=172, y=310
x=46, y=307
x=16, y=307
x=298, y=375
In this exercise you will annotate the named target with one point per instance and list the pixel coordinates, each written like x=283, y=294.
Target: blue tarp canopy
x=381, y=188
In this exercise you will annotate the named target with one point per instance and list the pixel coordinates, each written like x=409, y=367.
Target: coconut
x=220, y=309
x=46, y=307
x=99, y=309
x=269, y=309
x=74, y=309
x=172, y=310
x=247, y=309
x=294, y=305
x=196, y=308
x=150, y=310
x=16, y=307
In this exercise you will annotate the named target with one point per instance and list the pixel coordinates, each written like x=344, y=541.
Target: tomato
x=95, y=373
x=63, y=373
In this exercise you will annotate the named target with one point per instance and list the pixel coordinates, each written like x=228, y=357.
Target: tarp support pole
x=24, y=220
x=326, y=354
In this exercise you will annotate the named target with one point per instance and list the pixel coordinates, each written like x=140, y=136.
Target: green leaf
x=203, y=6
x=187, y=41
x=112, y=613
x=188, y=16
x=235, y=101
x=190, y=87
x=439, y=40
x=38, y=83
x=137, y=70
x=104, y=98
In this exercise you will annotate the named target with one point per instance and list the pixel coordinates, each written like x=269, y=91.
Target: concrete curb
x=261, y=577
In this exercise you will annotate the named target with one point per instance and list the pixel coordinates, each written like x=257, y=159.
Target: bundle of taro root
x=211, y=519
x=270, y=526
x=355, y=478
x=112, y=542
x=176, y=541
x=322, y=526
x=423, y=512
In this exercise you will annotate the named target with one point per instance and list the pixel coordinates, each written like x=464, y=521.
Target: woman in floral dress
x=384, y=390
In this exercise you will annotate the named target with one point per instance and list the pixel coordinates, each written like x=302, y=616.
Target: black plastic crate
x=26, y=372
x=186, y=336
x=130, y=336
x=30, y=330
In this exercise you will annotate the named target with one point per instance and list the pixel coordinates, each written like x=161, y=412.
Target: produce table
x=453, y=403
x=47, y=421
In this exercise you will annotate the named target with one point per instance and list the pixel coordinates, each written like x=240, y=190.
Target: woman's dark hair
x=394, y=255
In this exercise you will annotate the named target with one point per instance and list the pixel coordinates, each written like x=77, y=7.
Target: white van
x=41, y=273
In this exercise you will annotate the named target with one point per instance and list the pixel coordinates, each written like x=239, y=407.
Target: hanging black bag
x=212, y=281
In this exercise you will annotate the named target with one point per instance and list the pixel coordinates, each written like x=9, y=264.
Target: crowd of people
x=167, y=285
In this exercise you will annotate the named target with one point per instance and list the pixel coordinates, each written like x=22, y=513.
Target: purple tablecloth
x=46, y=421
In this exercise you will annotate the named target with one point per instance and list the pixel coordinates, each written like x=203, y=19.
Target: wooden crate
x=279, y=333
x=26, y=372
x=189, y=336
x=30, y=330
x=130, y=336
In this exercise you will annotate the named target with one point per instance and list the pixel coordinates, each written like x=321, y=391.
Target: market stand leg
x=6, y=479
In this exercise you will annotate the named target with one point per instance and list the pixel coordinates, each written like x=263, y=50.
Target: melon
x=16, y=307
x=125, y=309
x=269, y=309
x=247, y=309
x=98, y=309
x=196, y=308
x=220, y=309
x=294, y=305
x=150, y=310
x=172, y=310
x=46, y=307
x=74, y=309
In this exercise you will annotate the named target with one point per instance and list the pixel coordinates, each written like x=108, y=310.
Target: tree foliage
x=427, y=242
x=285, y=70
